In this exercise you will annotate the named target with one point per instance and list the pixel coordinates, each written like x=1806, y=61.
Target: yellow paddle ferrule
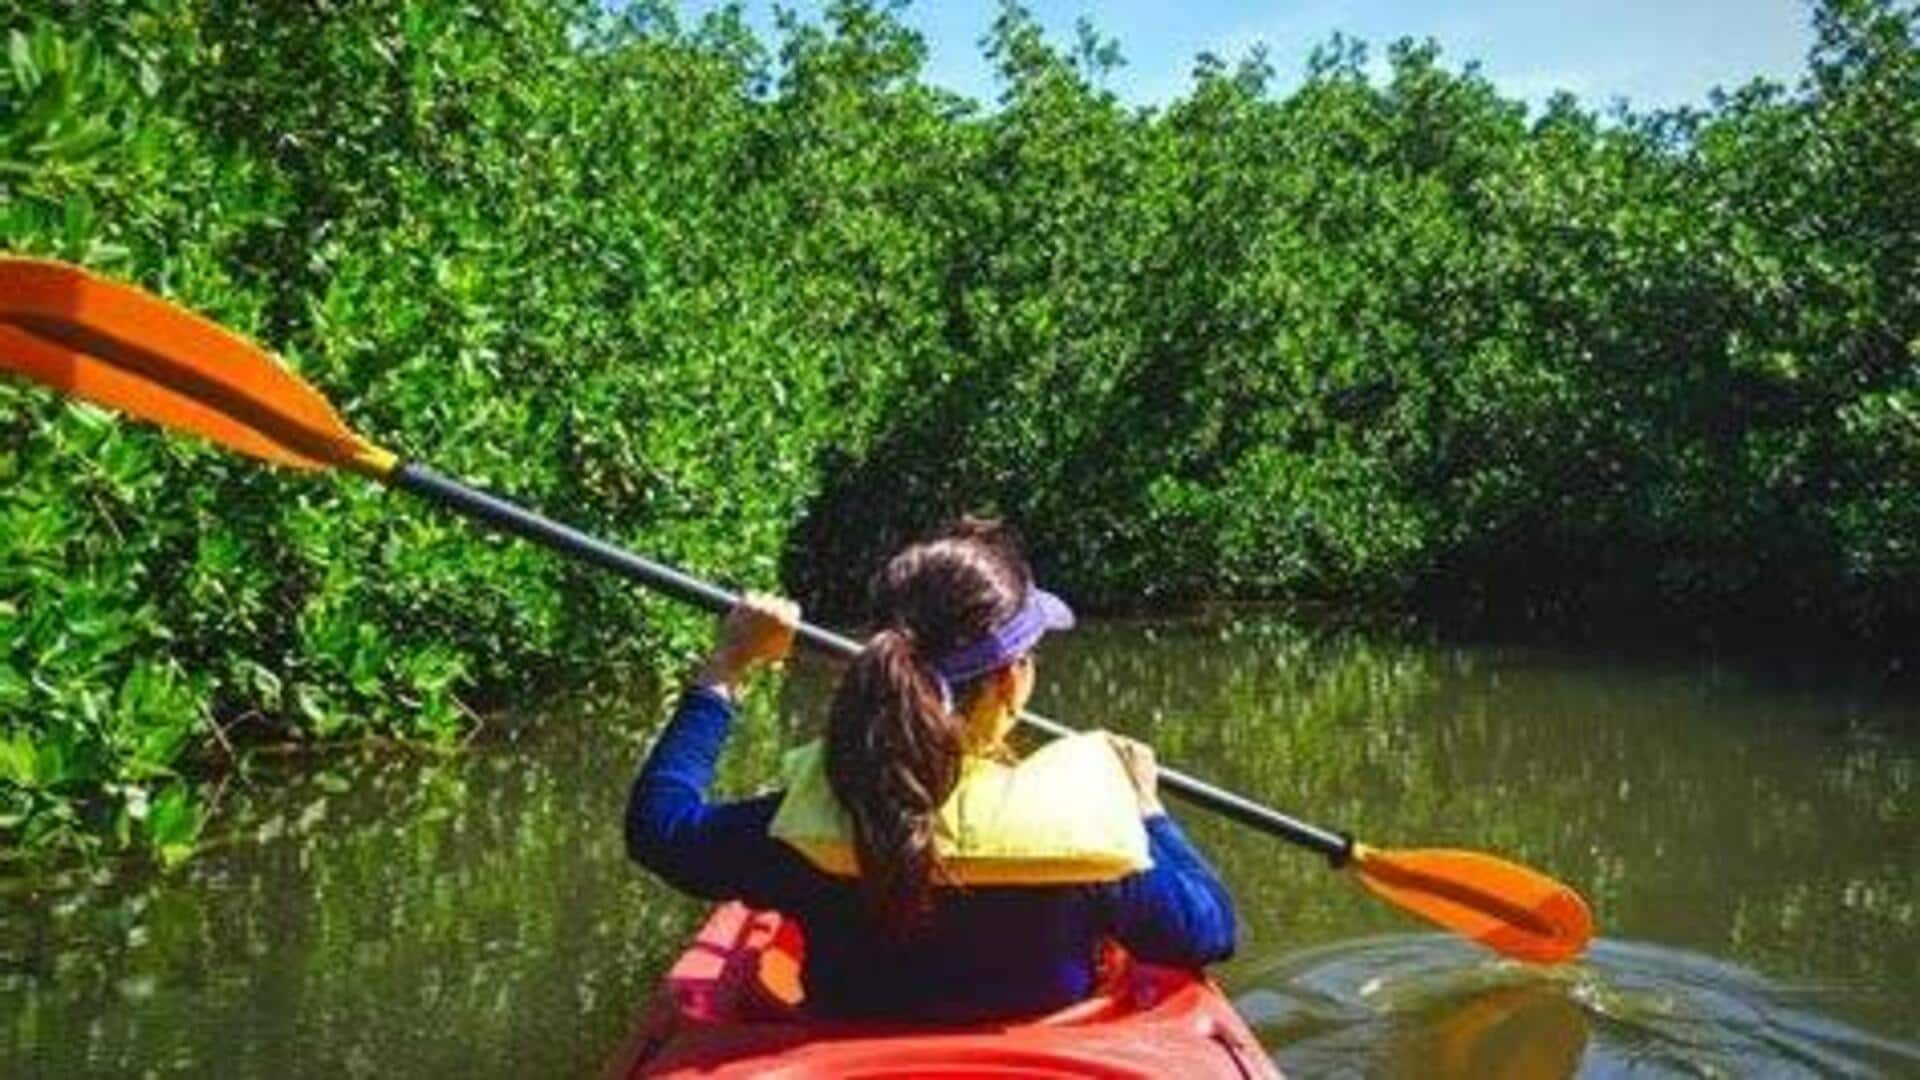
x=370, y=460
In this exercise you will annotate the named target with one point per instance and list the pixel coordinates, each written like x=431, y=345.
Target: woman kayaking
x=935, y=877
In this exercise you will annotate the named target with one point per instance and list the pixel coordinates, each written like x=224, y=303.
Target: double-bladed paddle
x=126, y=349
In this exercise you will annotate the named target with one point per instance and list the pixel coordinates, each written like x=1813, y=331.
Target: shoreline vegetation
x=1388, y=347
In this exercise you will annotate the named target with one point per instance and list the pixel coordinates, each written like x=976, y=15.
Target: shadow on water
x=1427, y=1005
x=476, y=915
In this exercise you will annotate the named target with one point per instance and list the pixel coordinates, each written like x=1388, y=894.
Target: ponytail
x=894, y=744
x=893, y=754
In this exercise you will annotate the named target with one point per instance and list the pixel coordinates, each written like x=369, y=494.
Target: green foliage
x=764, y=309
x=1394, y=342
x=448, y=224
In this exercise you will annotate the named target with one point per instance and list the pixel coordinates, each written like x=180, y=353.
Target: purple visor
x=1007, y=642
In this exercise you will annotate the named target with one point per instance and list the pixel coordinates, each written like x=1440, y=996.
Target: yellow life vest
x=1067, y=814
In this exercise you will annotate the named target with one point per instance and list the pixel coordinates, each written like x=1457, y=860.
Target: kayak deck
x=731, y=1008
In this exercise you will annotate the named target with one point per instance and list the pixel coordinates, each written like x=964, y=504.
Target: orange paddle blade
x=1510, y=909
x=117, y=346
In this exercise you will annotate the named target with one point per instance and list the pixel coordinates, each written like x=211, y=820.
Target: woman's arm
x=717, y=851
x=712, y=850
x=1178, y=912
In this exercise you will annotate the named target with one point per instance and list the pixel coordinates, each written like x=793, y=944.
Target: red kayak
x=731, y=1008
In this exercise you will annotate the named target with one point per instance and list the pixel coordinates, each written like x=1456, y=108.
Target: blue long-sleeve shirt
x=988, y=951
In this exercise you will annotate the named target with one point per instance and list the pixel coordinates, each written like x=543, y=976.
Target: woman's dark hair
x=893, y=748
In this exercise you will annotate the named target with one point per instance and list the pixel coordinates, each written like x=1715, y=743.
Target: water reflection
x=1748, y=851
x=1693, y=807
x=386, y=916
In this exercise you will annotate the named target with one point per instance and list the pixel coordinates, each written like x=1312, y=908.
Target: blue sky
x=1654, y=53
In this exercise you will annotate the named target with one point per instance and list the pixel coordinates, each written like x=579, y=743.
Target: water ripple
x=1430, y=1005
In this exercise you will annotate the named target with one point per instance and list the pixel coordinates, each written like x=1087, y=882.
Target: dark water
x=1750, y=845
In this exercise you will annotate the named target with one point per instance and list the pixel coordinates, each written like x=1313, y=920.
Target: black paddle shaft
x=509, y=517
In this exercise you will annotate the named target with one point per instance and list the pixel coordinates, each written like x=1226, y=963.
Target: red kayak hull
x=729, y=1009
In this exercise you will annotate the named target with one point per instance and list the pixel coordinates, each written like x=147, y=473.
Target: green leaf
x=26, y=74
x=173, y=825
x=19, y=761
